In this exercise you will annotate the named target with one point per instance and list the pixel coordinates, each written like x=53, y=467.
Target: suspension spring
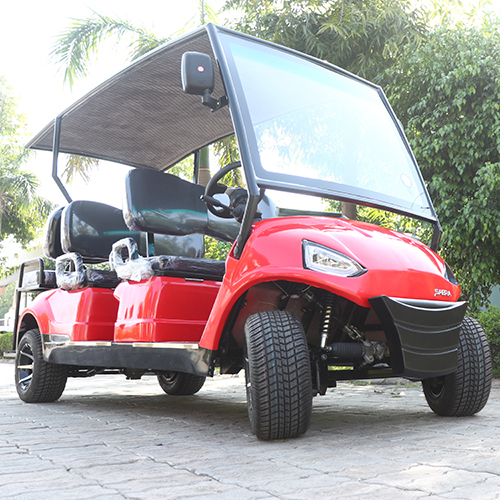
x=327, y=319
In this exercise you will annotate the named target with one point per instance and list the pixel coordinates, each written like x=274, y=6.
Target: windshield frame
x=261, y=178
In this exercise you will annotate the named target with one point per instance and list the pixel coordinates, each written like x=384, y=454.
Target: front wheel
x=278, y=375
x=180, y=384
x=36, y=380
x=466, y=391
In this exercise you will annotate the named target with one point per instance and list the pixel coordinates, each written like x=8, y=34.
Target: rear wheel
x=278, y=375
x=36, y=380
x=466, y=391
x=180, y=384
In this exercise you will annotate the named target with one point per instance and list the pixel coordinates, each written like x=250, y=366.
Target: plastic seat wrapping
x=208, y=269
x=72, y=275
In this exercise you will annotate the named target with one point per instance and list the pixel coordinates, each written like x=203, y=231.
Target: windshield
x=315, y=129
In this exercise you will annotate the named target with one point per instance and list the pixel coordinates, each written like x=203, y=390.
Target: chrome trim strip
x=427, y=304
x=91, y=344
x=167, y=345
x=64, y=340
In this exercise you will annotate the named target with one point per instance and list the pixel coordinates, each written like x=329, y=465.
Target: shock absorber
x=327, y=318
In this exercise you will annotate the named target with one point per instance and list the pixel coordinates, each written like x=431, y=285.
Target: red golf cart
x=305, y=298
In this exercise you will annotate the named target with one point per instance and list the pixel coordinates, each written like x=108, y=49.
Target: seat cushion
x=183, y=267
x=100, y=278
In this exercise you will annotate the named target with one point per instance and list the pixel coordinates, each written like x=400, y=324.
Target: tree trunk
x=349, y=210
x=204, y=167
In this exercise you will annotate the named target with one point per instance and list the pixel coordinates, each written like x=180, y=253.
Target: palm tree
x=22, y=211
x=19, y=203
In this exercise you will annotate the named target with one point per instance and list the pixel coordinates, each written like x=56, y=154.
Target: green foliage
x=447, y=93
x=6, y=299
x=363, y=36
x=419, y=230
x=79, y=165
x=215, y=249
x=489, y=319
x=5, y=342
x=22, y=211
x=82, y=39
x=183, y=169
x=399, y=223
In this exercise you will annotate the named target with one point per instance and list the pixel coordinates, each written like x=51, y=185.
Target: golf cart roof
x=140, y=117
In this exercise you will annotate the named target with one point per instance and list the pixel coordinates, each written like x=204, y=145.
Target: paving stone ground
x=109, y=438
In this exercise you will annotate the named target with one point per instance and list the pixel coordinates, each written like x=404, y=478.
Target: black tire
x=278, y=375
x=36, y=380
x=466, y=391
x=180, y=384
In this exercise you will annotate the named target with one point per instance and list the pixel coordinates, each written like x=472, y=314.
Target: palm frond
x=75, y=46
x=79, y=165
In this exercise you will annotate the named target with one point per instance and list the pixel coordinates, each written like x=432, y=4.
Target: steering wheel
x=215, y=206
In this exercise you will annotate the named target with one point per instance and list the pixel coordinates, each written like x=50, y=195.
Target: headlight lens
x=325, y=260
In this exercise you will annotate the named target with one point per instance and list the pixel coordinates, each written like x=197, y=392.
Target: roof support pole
x=55, y=156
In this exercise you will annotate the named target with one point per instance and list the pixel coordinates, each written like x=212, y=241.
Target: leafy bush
x=5, y=342
x=215, y=249
x=490, y=321
x=447, y=93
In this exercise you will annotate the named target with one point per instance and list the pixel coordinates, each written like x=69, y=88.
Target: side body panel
x=163, y=309
x=84, y=315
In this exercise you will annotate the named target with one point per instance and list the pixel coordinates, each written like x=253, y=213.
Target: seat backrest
x=162, y=203
x=90, y=228
x=52, y=241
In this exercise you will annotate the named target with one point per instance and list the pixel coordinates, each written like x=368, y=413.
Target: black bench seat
x=184, y=267
x=125, y=259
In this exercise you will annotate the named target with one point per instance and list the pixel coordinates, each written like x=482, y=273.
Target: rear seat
x=90, y=229
x=161, y=210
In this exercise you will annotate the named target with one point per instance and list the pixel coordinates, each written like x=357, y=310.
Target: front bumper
x=422, y=335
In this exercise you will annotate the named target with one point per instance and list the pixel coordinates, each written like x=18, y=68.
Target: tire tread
x=281, y=389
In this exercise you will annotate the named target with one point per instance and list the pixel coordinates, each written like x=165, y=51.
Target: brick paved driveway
x=109, y=438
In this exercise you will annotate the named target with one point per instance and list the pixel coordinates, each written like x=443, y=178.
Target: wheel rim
x=436, y=386
x=25, y=367
x=169, y=377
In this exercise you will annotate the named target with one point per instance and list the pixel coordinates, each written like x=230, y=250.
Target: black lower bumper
x=139, y=356
x=422, y=335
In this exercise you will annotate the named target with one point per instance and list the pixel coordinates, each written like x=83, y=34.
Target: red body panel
x=398, y=265
x=163, y=309
x=88, y=314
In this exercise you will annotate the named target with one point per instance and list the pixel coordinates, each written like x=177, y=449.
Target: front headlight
x=325, y=260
